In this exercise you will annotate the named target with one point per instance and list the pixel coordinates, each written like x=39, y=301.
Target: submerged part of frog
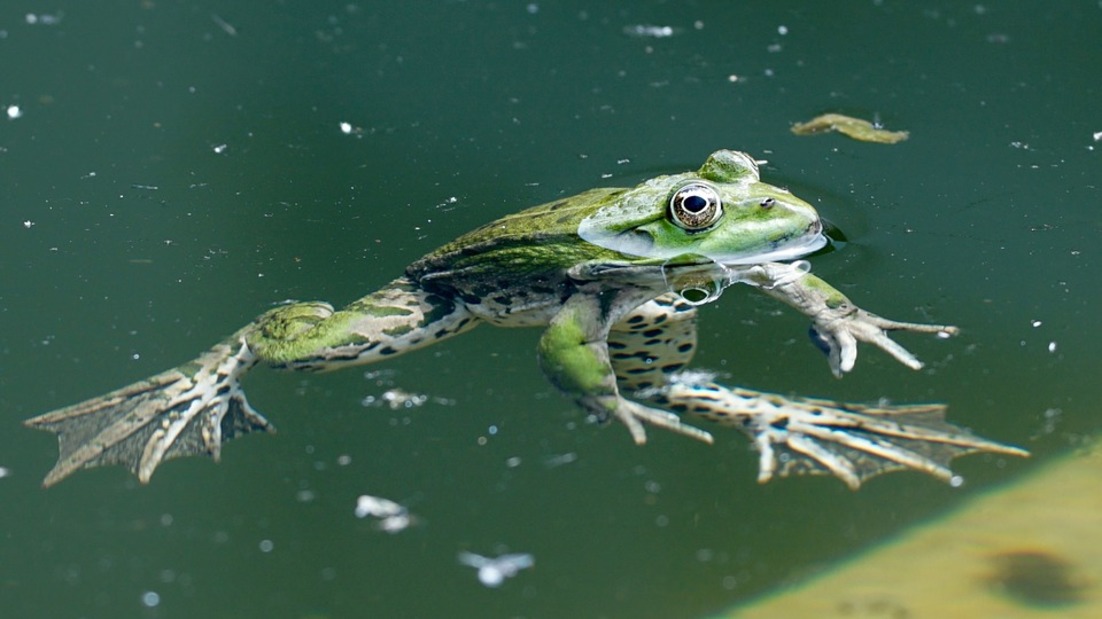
x=614, y=276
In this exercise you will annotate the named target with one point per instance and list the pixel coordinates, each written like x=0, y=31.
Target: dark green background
x=128, y=245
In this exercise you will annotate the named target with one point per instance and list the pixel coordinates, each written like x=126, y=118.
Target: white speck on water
x=956, y=481
x=14, y=111
x=649, y=31
x=782, y=30
x=346, y=128
x=28, y=224
x=392, y=516
x=493, y=572
x=1052, y=346
x=150, y=599
x=560, y=460
x=1035, y=323
x=4, y=472
x=44, y=19
x=220, y=149
x=266, y=545
x=1098, y=136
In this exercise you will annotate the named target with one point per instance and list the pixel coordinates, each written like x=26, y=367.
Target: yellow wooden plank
x=1029, y=550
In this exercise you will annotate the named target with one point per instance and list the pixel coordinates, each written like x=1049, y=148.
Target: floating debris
x=398, y=399
x=392, y=516
x=43, y=19
x=493, y=572
x=855, y=128
x=649, y=31
x=14, y=111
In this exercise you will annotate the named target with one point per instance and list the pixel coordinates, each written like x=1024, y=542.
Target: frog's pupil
x=695, y=204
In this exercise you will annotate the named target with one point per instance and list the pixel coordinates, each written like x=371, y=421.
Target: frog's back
x=512, y=271
x=536, y=242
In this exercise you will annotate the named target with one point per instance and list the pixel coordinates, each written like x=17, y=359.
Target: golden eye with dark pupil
x=695, y=206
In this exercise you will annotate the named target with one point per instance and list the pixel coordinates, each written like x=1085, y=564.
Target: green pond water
x=170, y=169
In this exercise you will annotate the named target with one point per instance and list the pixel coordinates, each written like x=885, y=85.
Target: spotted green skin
x=577, y=266
x=613, y=279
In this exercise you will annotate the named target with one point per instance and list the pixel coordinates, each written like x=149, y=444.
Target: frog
x=616, y=278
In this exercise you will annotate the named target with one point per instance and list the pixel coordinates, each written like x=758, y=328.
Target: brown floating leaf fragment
x=855, y=128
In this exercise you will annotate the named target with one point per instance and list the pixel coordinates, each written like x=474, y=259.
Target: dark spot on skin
x=617, y=345
x=1036, y=578
x=634, y=320
x=670, y=368
x=558, y=205
x=684, y=348
x=387, y=351
x=652, y=333
x=780, y=424
x=651, y=343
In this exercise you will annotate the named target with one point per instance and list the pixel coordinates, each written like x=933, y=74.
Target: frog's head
x=720, y=214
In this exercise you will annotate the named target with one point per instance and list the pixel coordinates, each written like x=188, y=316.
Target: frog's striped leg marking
x=652, y=341
x=396, y=319
x=194, y=408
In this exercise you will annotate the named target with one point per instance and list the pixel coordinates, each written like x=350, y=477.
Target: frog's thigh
x=655, y=339
x=386, y=323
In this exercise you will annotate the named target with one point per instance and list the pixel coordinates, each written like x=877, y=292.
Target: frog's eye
x=695, y=206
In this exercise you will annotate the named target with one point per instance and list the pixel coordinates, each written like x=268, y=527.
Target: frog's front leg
x=837, y=323
x=573, y=353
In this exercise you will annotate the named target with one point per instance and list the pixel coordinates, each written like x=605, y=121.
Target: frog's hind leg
x=194, y=408
x=650, y=347
x=853, y=442
x=394, y=320
x=188, y=410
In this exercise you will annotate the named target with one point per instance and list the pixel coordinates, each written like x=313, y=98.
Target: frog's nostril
x=767, y=203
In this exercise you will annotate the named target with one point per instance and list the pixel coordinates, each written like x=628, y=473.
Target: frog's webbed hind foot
x=189, y=410
x=797, y=436
x=635, y=415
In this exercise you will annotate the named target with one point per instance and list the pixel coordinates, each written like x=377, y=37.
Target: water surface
x=169, y=170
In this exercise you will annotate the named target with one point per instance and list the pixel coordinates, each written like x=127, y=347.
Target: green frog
x=614, y=276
